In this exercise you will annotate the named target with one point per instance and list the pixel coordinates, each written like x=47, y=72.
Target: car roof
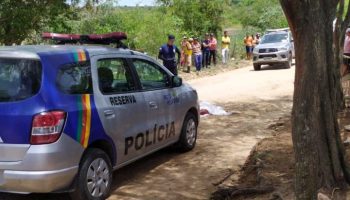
x=32, y=51
x=277, y=32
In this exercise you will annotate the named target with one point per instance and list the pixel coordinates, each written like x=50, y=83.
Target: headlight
x=283, y=49
x=256, y=50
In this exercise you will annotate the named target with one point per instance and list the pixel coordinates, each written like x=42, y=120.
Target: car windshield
x=275, y=38
x=19, y=79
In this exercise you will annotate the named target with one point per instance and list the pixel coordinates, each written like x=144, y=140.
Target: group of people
x=202, y=52
x=250, y=41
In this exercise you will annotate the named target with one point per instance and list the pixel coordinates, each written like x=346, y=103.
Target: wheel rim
x=98, y=178
x=191, y=132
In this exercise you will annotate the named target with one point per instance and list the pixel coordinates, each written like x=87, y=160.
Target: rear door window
x=19, y=79
x=75, y=78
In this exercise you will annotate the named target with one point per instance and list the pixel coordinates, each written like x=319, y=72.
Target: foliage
x=263, y=14
x=198, y=16
x=147, y=28
x=19, y=18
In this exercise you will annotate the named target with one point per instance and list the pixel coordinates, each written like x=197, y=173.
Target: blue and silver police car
x=71, y=114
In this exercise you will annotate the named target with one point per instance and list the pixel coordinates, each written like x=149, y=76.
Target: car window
x=151, y=75
x=19, y=79
x=75, y=78
x=114, y=76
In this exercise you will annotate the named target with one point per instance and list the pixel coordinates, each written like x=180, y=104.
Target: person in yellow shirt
x=225, y=45
x=248, y=41
x=188, y=54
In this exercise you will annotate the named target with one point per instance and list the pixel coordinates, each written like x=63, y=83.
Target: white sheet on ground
x=213, y=109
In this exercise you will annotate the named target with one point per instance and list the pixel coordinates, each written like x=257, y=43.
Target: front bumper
x=43, y=168
x=271, y=58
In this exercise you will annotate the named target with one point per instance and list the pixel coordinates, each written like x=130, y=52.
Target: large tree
x=319, y=153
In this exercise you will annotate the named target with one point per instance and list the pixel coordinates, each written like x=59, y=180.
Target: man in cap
x=168, y=52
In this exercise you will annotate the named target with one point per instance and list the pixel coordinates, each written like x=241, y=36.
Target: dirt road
x=258, y=99
x=246, y=85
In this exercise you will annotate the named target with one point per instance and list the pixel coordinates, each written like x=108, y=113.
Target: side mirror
x=176, y=81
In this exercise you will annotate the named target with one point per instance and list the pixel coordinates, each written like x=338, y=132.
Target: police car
x=71, y=114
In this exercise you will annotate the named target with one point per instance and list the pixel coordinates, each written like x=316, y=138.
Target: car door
x=120, y=105
x=160, y=99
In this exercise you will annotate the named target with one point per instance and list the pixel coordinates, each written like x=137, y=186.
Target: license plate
x=267, y=58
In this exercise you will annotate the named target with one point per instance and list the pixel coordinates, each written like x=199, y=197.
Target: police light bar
x=62, y=38
x=105, y=39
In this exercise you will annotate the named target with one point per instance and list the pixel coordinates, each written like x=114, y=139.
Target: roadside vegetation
x=146, y=27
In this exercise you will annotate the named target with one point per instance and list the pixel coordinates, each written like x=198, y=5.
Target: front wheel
x=94, y=179
x=257, y=67
x=188, y=135
x=290, y=62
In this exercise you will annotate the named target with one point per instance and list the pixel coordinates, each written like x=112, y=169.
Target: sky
x=135, y=2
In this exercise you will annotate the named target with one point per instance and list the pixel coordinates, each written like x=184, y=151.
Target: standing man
x=212, y=47
x=206, y=51
x=183, y=46
x=188, y=55
x=257, y=38
x=197, y=52
x=167, y=53
x=226, y=41
x=248, y=42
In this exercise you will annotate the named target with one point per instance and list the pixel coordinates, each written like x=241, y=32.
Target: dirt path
x=223, y=143
x=246, y=85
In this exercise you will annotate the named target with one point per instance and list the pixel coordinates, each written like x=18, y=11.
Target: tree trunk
x=320, y=162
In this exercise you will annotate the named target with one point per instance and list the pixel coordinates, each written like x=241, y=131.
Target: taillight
x=47, y=127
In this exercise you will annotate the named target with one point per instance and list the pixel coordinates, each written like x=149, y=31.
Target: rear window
x=75, y=78
x=19, y=79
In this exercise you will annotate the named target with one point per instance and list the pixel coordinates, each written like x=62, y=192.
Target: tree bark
x=320, y=162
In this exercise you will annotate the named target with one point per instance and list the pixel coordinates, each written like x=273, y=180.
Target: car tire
x=290, y=62
x=188, y=137
x=94, y=178
x=257, y=67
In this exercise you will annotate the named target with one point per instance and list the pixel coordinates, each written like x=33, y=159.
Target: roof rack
x=101, y=39
x=278, y=30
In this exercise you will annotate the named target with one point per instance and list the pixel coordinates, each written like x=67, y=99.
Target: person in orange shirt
x=248, y=42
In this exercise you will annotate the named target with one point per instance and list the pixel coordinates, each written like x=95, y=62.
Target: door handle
x=153, y=105
x=109, y=113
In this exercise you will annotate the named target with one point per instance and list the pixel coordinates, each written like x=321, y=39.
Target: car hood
x=272, y=45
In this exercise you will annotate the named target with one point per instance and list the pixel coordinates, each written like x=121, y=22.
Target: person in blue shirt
x=167, y=53
x=206, y=51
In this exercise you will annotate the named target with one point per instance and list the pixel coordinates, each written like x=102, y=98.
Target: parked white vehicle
x=276, y=47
